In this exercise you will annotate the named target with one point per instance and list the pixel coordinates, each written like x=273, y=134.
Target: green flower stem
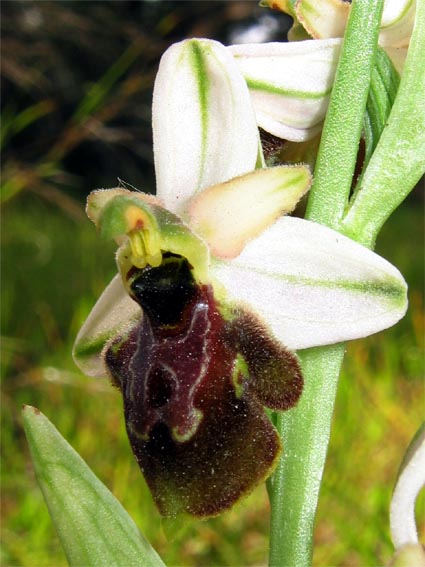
x=306, y=429
x=336, y=160
x=399, y=159
x=296, y=482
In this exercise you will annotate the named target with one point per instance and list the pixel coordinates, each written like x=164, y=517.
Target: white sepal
x=289, y=83
x=113, y=313
x=204, y=126
x=312, y=285
x=397, y=22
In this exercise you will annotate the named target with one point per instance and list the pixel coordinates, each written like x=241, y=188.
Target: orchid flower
x=290, y=82
x=325, y=19
x=215, y=288
x=322, y=19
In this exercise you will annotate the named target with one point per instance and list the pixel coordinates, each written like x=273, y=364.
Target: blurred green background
x=77, y=84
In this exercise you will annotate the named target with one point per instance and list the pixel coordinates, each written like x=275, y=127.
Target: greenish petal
x=230, y=214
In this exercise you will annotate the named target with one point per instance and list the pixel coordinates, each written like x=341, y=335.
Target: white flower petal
x=113, y=313
x=410, y=481
x=204, y=125
x=312, y=285
x=290, y=84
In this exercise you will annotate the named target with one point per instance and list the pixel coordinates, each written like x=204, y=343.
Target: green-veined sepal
x=113, y=314
x=312, y=285
x=204, y=127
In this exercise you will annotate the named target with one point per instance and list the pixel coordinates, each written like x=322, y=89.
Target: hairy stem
x=305, y=432
x=399, y=159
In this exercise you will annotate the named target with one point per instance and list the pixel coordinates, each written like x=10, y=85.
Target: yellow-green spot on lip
x=239, y=375
x=181, y=435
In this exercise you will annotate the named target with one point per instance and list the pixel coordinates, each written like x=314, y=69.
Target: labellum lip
x=194, y=392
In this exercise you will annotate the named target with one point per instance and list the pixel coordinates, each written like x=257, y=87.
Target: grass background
x=77, y=81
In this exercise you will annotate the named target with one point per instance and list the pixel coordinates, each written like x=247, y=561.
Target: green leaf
x=93, y=527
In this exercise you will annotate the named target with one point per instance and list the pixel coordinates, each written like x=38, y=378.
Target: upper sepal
x=204, y=127
x=312, y=285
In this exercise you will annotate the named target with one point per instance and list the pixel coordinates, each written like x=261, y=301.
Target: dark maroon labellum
x=194, y=385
